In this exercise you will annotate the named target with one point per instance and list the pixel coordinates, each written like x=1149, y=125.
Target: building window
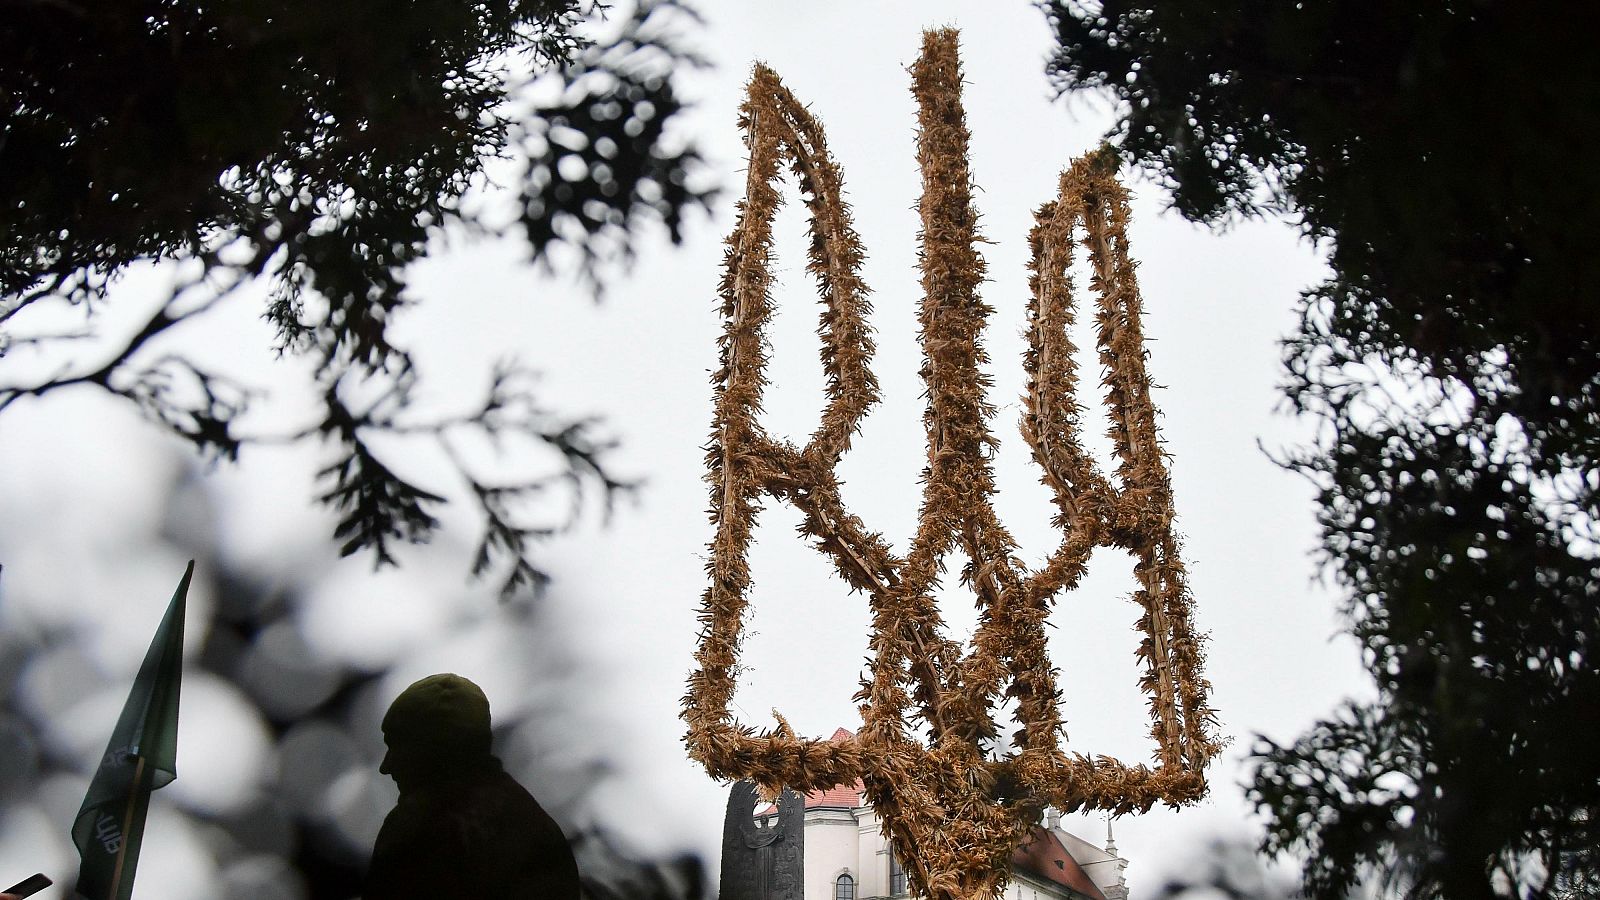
x=844, y=888
x=897, y=876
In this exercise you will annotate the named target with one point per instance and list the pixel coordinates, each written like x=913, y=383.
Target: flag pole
x=134, y=797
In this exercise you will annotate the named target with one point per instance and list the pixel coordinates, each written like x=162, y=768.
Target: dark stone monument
x=763, y=860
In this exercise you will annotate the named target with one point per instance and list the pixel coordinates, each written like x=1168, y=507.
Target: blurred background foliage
x=301, y=157
x=279, y=794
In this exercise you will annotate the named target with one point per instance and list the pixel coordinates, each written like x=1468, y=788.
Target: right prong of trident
x=953, y=814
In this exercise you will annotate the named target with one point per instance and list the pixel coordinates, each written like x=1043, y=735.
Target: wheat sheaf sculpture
x=953, y=811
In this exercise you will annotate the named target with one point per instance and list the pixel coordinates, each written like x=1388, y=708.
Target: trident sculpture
x=929, y=751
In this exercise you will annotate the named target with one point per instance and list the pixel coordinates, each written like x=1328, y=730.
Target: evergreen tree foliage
x=321, y=145
x=1438, y=150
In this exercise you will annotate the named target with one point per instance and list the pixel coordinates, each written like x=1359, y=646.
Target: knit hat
x=444, y=713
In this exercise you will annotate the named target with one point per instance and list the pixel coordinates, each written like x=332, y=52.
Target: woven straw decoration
x=953, y=813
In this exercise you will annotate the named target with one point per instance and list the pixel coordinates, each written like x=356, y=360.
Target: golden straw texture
x=928, y=751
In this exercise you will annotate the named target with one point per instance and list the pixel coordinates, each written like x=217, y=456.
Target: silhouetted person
x=463, y=829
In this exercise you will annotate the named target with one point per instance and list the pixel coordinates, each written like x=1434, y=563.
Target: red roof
x=842, y=796
x=839, y=797
x=836, y=797
x=1045, y=857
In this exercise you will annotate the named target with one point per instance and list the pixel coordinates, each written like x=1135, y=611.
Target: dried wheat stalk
x=953, y=813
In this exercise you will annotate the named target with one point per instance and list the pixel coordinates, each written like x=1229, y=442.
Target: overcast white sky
x=1216, y=307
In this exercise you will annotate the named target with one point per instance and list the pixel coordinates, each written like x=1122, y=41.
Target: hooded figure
x=463, y=829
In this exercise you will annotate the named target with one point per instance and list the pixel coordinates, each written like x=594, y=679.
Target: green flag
x=142, y=756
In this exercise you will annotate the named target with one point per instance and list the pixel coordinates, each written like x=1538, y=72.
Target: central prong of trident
x=952, y=810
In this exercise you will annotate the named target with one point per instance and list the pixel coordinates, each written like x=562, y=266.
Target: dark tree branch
x=336, y=166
